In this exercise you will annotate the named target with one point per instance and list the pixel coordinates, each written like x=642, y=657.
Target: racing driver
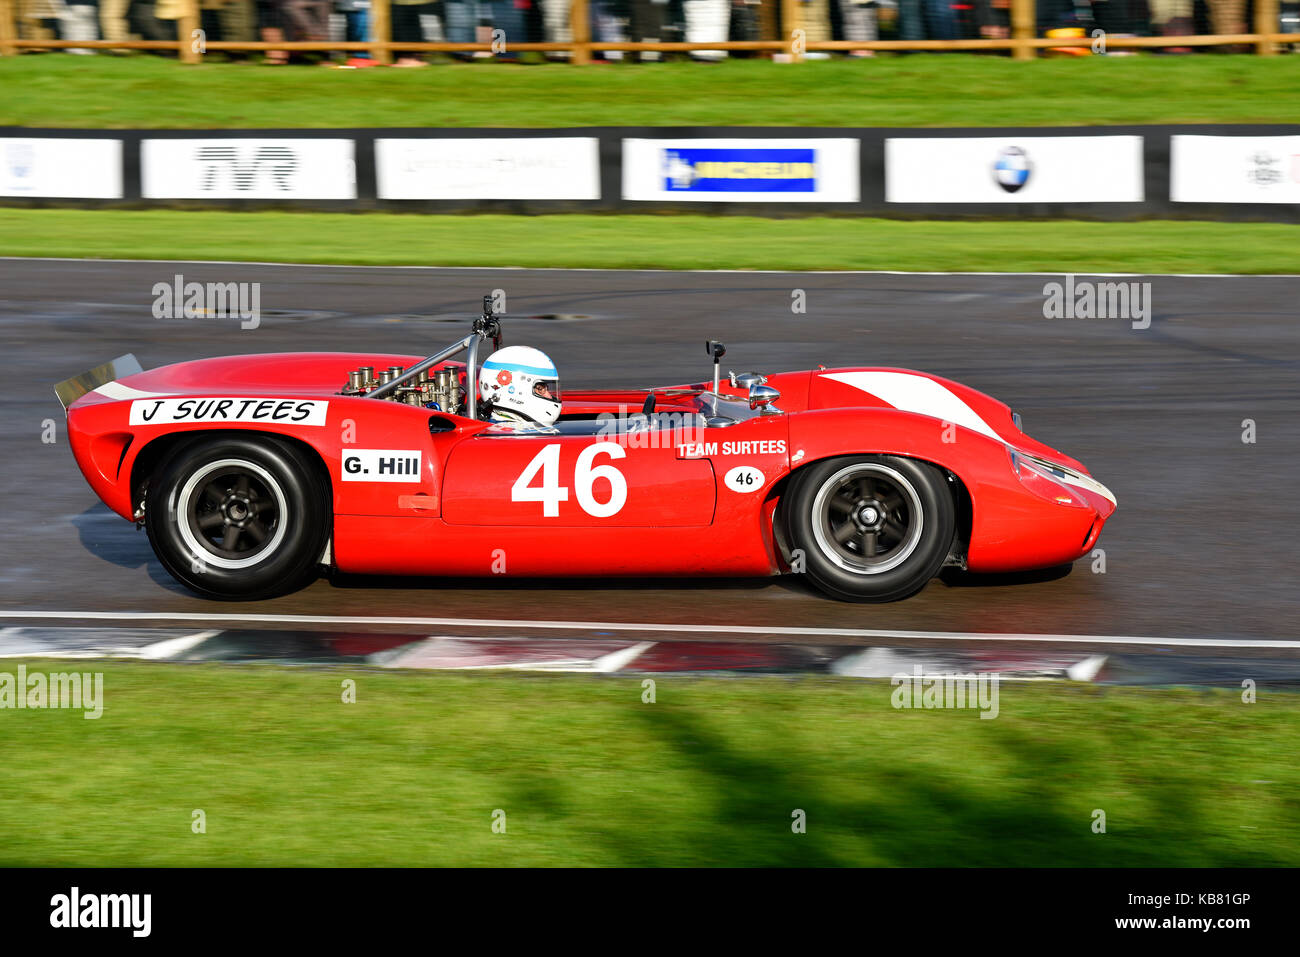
x=521, y=388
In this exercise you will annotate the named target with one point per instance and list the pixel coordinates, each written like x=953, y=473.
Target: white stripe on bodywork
x=115, y=390
x=1092, y=485
x=916, y=393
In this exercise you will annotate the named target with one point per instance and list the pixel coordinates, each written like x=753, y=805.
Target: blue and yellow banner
x=740, y=170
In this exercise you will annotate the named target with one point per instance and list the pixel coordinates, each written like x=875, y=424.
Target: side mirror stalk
x=717, y=350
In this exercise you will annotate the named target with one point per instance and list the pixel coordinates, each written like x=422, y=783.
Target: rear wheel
x=870, y=528
x=238, y=518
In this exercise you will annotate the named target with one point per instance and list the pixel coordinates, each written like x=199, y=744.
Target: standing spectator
x=859, y=19
x=646, y=23
x=228, y=19
x=745, y=24
x=1227, y=17
x=1122, y=17
x=1289, y=19
x=79, y=20
x=307, y=20
x=707, y=21
x=607, y=26
x=1052, y=14
x=167, y=12
x=911, y=22
x=112, y=19
x=408, y=29
x=769, y=21
x=555, y=21
x=504, y=15
x=460, y=20
x=142, y=19
x=38, y=19
x=1172, y=18
x=356, y=29
x=270, y=29
x=994, y=19
x=1109, y=16
x=534, y=27
x=940, y=22
x=813, y=17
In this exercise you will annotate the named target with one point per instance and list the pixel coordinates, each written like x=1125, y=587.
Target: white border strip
x=523, y=624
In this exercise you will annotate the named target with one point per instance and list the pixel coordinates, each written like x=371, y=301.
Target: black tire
x=238, y=518
x=870, y=528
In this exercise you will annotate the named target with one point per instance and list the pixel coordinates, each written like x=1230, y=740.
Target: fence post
x=381, y=31
x=7, y=29
x=1024, y=26
x=789, y=23
x=1266, y=21
x=186, y=24
x=580, y=27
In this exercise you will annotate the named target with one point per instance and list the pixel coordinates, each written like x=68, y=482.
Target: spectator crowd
x=698, y=21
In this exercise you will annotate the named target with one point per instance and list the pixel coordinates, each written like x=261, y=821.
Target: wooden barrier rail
x=1022, y=43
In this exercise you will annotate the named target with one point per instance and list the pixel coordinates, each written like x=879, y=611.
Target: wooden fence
x=1023, y=43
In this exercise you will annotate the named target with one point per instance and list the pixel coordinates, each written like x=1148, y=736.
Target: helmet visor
x=547, y=389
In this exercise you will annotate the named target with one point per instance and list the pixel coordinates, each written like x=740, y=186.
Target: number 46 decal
x=551, y=493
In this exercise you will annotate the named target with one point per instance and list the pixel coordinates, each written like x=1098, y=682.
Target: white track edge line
x=771, y=272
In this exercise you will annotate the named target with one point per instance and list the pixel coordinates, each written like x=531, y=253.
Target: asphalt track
x=1203, y=546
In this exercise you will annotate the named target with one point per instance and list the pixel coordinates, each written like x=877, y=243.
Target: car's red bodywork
x=458, y=516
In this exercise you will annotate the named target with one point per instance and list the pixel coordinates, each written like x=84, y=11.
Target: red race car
x=251, y=473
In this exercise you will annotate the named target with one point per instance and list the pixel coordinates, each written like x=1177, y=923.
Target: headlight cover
x=1034, y=472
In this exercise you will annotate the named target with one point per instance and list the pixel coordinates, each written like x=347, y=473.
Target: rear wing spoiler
x=70, y=390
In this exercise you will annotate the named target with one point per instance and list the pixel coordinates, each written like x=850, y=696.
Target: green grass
x=105, y=91
x=647, y=241
x=587, y=774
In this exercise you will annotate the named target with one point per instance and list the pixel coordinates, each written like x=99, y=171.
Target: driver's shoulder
x=521, y=428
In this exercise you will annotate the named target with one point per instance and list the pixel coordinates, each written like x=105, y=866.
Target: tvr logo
x=236, y=166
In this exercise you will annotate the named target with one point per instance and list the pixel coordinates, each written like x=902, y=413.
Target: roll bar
x=488, y=326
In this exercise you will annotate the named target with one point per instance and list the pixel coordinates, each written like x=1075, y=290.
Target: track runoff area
x=1111, y=387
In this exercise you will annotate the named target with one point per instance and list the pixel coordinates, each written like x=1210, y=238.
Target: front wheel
x=870, y=528
x=238, y=518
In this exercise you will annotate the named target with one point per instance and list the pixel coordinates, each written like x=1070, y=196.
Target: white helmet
x=521, y=382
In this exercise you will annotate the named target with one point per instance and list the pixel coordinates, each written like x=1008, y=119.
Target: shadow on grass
x=1039, y=815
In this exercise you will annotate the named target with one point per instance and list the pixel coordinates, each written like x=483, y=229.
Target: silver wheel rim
x=867, y=518
x=189, y=508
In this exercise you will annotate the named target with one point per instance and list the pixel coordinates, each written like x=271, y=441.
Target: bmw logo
x=1012, y=169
